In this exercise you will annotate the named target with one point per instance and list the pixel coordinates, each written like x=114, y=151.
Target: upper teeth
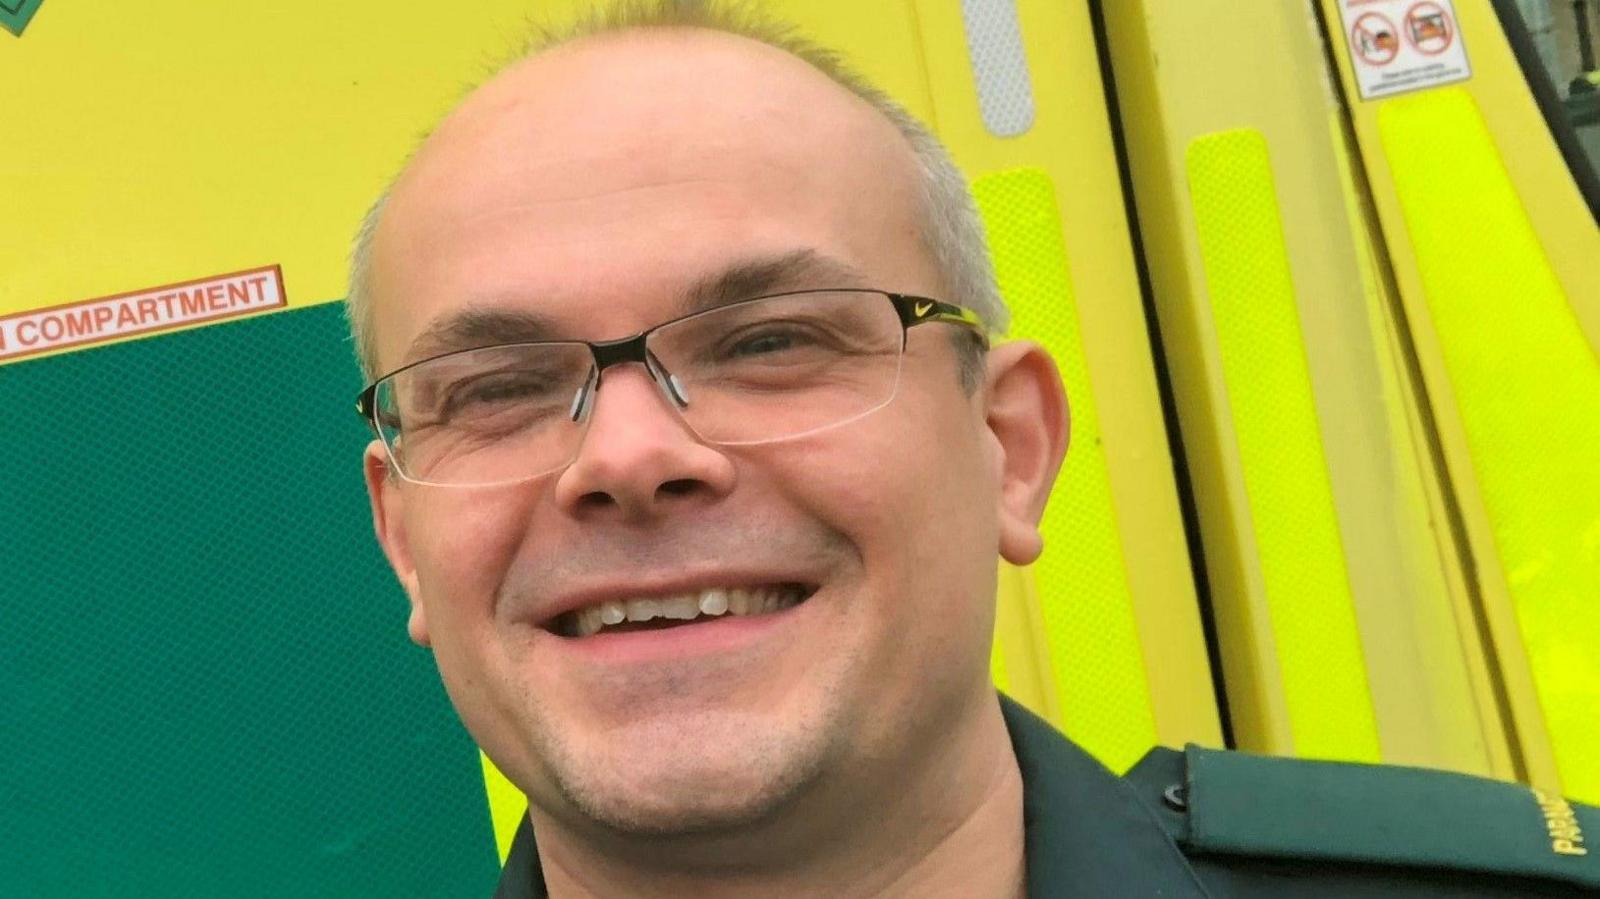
x=682, y=607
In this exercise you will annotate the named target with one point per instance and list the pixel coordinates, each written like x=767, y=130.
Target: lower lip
x=715, y=636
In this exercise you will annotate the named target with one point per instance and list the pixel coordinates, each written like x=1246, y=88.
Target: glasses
x=757, y=371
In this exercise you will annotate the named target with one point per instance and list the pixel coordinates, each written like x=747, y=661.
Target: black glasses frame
x=912, y=311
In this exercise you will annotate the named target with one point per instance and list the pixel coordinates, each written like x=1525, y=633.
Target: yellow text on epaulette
x=1562, y=822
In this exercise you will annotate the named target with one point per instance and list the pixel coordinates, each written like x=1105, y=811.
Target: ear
x=1025, y=408
x=388, y=503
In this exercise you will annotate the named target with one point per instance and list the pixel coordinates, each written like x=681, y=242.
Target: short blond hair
x=952, y=230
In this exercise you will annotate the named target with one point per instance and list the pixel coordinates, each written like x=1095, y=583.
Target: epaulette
x=1233, y=805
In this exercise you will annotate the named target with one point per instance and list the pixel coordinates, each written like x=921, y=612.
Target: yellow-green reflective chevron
x=1526, y=384
x=1085, y=604
x=1273, y=413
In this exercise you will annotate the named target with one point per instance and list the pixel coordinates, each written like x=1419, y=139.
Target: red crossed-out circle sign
x=1429, y=29
x=1374, y=39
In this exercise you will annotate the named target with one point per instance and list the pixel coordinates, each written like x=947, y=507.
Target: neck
x=951, y=826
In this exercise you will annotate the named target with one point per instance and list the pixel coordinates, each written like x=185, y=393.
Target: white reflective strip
x=999, y=65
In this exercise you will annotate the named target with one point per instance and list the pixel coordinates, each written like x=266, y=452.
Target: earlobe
x=388, y=502
x=1026, y=412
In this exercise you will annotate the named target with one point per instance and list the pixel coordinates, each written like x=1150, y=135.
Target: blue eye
x=762, y=344
x=489, y=394
x=502, y=390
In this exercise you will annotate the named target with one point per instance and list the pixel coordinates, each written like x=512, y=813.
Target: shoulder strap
x=1235, y=803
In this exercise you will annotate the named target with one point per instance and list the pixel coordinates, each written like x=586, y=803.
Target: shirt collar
x=1087, y=835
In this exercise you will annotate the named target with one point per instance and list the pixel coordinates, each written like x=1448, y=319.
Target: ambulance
x=1322, y=278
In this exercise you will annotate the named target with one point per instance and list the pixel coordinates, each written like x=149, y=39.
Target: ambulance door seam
x=1384, y=268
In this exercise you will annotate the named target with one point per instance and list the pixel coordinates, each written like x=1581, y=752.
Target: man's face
x=597, y=186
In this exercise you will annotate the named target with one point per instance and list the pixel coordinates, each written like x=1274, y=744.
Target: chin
x=686, y=815
x=689, y=784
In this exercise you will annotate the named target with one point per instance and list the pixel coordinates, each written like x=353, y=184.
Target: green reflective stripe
x=1273, y=413
x=1527, y=386
x=1095, y=655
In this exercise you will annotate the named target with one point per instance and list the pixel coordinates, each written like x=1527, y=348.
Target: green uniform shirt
x=1207, y=823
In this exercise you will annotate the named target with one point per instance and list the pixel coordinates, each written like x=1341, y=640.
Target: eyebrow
x=796, y=270
x=478, y=325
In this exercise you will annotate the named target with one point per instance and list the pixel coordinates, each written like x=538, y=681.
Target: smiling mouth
x=679, y=609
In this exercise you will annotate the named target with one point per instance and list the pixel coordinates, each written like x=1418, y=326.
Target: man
x=695, y=465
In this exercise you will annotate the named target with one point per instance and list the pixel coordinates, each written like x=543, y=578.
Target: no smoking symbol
x=1374, y=39
x=1429, y=29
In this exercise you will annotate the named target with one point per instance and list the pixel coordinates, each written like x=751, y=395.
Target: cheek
x=911, y=489
x=948, y=532
x=462, y=543
x=909, y=494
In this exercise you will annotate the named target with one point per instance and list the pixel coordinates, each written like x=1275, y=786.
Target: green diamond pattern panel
x=208, y=689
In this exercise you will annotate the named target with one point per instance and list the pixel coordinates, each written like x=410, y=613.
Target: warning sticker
x=1403, y=45
x=140, y=312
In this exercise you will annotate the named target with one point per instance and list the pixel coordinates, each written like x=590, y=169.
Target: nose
x=638, y=459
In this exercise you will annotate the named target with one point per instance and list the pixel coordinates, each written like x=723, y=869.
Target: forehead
x=598, y=183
